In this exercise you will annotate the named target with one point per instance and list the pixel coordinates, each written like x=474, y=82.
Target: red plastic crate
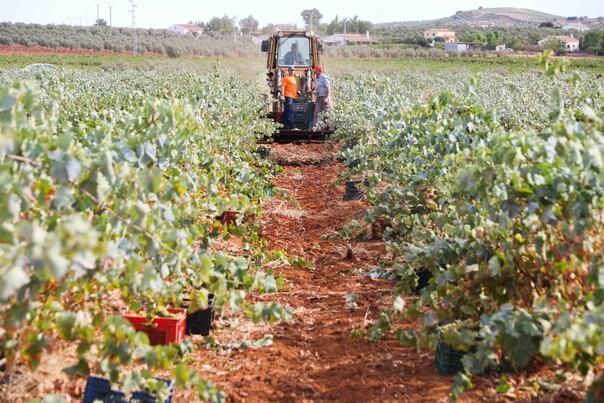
x=162, y=331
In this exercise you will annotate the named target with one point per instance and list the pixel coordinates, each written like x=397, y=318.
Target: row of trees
x=590, y=42
x=593, y=42
x=312, y=20
x=518, y=38
x=223, y=41
x=101, y=38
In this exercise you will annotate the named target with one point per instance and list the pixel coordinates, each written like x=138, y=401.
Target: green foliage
x=593, y=42
x=223, y=25
x=505, y=211
x=311, y=17
x=515, y=37
x=110, y=185
x=348, y=25
x=248, y=25
x=557, y=46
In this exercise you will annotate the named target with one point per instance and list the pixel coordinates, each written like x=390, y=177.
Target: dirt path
x=314, y=357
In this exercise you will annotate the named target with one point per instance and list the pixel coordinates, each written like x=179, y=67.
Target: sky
x=163, y=13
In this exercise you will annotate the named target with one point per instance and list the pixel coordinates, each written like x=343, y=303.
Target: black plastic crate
x=200, y=322
x=423, y=280
x=353, y=191
x=263, y=152
x=99, y=389
x=448, y=360
x=143, y=397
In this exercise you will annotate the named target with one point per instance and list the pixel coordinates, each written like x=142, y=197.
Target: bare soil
x=315, y=357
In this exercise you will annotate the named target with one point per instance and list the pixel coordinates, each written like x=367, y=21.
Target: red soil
x=43, y=50
x=314, y=357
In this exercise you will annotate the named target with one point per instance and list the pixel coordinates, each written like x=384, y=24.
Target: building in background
x=446, y=34
x=571, y=43
x=576, y=26
x=186, y=29
x=349, y=39
x=456, y=47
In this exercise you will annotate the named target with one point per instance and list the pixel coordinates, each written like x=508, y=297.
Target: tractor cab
x=302, y=50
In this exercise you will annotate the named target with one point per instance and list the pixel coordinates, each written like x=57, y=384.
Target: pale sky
x=163, y=13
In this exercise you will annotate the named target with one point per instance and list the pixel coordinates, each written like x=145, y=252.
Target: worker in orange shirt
x=289, y=92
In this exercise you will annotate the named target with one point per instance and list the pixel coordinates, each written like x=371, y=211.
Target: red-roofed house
x=351, y=39
x=186, y=29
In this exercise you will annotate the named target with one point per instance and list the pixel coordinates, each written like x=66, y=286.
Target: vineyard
x=480, y=230
x=495, y=198
x=113, y=187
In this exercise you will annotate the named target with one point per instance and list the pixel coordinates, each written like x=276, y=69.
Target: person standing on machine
x=289, y=93
x=323, y=90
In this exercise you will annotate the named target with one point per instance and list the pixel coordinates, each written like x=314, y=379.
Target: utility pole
x=108, y=3
x=97, y=12
x=132, y=10
x=345, y=20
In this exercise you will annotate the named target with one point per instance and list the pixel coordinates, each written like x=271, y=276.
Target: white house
x=352, y=39
x=446, y=34
x=576, y=26
x=456, y=47
x=570, y=42
x=186, y=29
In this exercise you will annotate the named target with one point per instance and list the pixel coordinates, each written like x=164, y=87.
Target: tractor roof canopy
x=293, y=51
x=292, y=48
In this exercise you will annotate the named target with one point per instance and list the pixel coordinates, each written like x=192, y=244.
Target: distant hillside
x=500, y=17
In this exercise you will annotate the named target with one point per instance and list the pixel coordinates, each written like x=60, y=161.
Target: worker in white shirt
x=323, y=90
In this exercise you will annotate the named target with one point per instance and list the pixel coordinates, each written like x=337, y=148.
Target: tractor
x=309, y=48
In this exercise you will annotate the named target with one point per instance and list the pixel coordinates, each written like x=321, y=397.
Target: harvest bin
x=161, y=331
x=99, y=389
x=423, y=280
x=353, y=192
x=200, y=322
x=448, y=360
